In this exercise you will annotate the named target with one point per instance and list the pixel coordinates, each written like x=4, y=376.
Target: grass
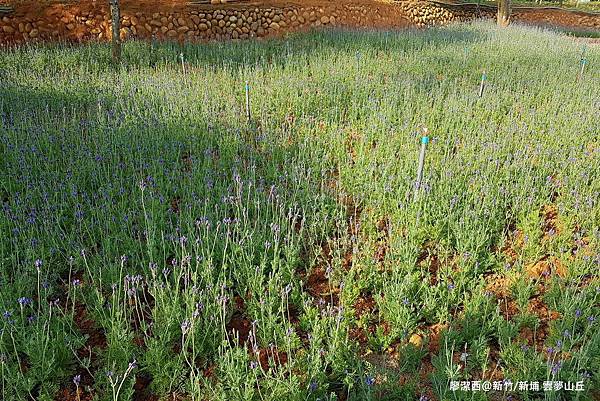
x=156, y=242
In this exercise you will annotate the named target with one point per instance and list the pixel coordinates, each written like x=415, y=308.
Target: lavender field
x=155, y=244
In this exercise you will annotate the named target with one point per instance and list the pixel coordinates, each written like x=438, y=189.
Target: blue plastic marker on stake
x=248, y=100
x=424, y=143
x=482, y=86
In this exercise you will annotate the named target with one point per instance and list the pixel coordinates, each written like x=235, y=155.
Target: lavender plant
x=155, y=243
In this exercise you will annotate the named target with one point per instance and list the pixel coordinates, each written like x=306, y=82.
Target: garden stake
x=482, y=86
x=583, y=62
x=424, y=142
x=248, y=101
x=182, y=63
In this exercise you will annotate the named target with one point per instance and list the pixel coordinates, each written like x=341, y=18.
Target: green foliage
x=289, y=258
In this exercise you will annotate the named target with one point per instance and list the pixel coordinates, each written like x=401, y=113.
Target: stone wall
x=90, y=20
x=191, y=23
x=431, y=13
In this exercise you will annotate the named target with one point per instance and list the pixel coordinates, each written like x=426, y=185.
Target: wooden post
x=503, y=17
x=115, y=12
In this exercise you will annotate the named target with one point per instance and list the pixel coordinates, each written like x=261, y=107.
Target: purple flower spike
x=24, y=301
x=556, y=367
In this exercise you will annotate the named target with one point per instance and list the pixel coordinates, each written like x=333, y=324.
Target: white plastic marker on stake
x=583, y=62
x=182, y=63
x=482, y=86
x=248, y=100
x=424, y=143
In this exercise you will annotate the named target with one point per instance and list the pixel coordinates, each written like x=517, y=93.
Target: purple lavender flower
x=578, y=313
x=38, y=264
x=312, y=387
x=369, y=380
x=24, y=301
x=591, y=319
x=185, y=326
x=253, y=365
x=556, y=367
x=77, y=380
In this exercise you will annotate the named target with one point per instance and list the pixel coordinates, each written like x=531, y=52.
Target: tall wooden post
x=503, y=17
x=115, y=12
